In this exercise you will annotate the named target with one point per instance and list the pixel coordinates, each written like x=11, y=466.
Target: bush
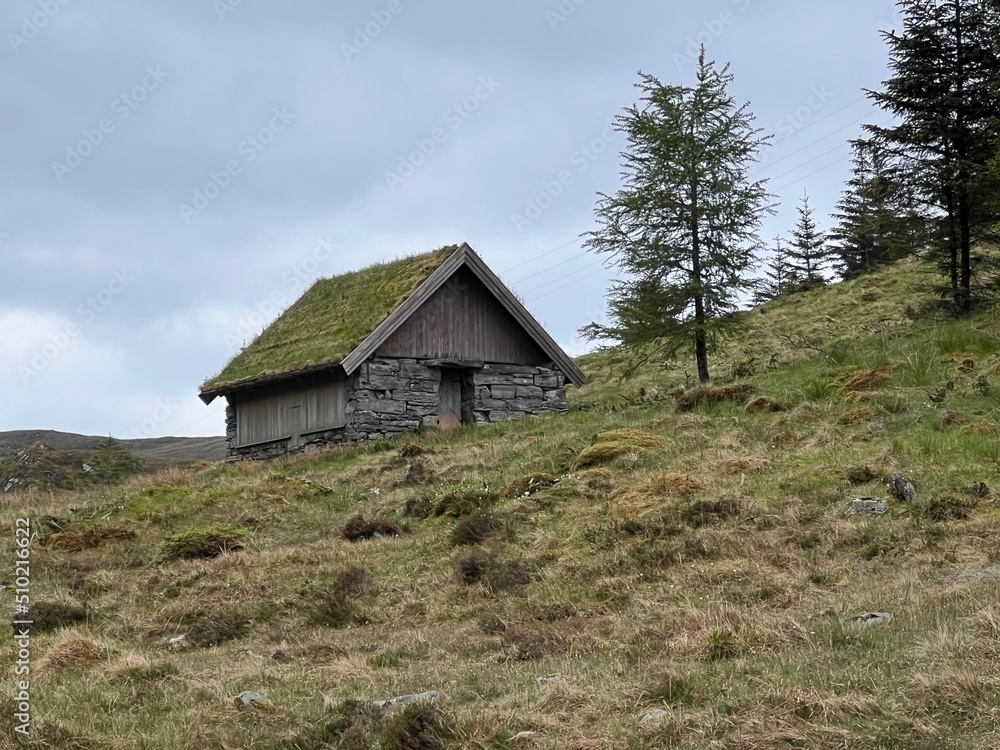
x=333, y=606
x=475, y=529
x=217, y=628
x=207, y=542
x=528, y=485
x=359, y=528
x=46, y=616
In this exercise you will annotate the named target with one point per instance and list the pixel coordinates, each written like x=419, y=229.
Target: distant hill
x=172, y=449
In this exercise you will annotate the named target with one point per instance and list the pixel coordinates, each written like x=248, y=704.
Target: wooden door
x=450, y=399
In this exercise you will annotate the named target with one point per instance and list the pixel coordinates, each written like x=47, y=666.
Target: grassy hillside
x=173, y=449
x=557, y=579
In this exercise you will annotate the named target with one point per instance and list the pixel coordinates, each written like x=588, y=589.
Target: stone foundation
x=389, y=397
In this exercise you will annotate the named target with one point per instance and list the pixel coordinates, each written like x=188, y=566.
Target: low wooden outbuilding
x=432, y=340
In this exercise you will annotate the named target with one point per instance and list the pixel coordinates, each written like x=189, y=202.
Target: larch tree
x=683, y=227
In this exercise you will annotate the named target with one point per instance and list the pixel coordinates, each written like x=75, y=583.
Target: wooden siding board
x=289, y=410
x=463, y=319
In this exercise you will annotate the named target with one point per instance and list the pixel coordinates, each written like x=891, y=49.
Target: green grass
x=702, y=565
x=330, y=320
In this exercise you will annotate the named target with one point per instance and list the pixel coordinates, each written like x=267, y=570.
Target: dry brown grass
x=690, y=400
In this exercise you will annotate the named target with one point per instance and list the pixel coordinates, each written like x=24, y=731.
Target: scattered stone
x=401, y=700
x=178, y=642
x=546, y=678
x=874, y=505
x=654, y=714
x=252, y=701
x=901, y=489
x=873, y=618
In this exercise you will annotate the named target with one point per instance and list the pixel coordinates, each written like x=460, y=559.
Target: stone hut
x=432, y=340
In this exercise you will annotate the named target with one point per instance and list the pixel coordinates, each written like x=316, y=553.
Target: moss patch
x=330, y=320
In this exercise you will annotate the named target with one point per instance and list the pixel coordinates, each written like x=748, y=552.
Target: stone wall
x=387, y=397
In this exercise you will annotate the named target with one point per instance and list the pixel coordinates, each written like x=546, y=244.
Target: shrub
x=359, y=528
x=528, y=485
x=475, y=529
x=707, y=395
x=217, y=628
x=207, y=542
x=465, y=503
x=90, y=537
x=46, y=616
x=333, y=606
x=706, y=512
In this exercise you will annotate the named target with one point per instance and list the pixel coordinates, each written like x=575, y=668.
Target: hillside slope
x=661, y=568
x=182, y=449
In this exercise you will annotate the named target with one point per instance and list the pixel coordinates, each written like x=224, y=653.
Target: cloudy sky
x=178, y=171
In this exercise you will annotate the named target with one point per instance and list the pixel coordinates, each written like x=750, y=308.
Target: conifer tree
x=777, y=278
x=683, y=227
x=944, y=94
x=807, y=254
x=876, y=219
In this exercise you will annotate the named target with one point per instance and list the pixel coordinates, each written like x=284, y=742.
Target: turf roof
x=329, y=321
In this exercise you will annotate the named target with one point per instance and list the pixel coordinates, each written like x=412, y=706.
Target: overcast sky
x=178, y=171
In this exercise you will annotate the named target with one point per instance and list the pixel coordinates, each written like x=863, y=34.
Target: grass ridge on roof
x=329, y=320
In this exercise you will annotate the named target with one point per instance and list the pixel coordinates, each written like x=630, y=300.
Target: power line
x=564, y=276
x=808, y=145
x=539, y=273
x=549, y=252
x=553, y=291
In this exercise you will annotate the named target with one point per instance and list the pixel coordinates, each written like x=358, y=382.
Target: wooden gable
x=463, y=319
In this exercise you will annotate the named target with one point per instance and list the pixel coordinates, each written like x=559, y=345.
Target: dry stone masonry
x=387, y=397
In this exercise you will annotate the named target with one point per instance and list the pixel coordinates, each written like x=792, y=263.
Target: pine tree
x=808, y=255
x=945, y=94
x=778, y=277
x=683, y=227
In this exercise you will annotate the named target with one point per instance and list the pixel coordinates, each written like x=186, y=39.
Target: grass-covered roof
x=329, y=321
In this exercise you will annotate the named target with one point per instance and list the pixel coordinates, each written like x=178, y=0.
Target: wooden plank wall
x=290, y=410
x=463, y=320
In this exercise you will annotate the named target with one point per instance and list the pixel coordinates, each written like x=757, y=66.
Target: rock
x=402, y=700
x=900, y=489
x=874, y=505
x=251, y=701
x=873, y=618
x=654, y=714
